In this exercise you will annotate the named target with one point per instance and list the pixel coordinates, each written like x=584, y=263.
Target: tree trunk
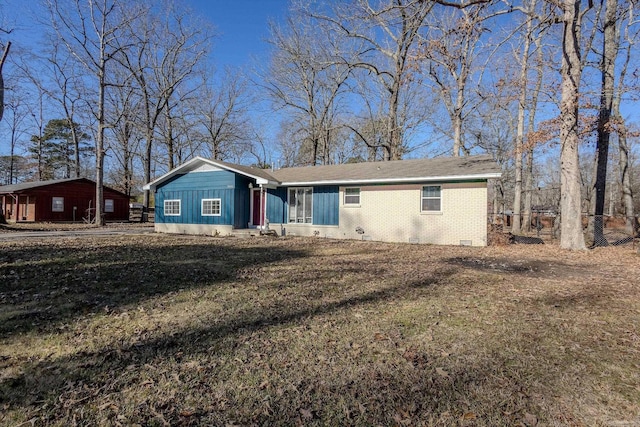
x=100, y=142
x=147, y=166
x=519, y=142
x=625, y=179
x=610, y=45
x=76, y=147
x=149, y=126
x=530, y=128
x=12, y=153
x=395, y=142
x=625, y=171
x=2, y=62
x=456, y=120
x=457, y=133
x=170, y=145
x=571, y=236
x=623, y=147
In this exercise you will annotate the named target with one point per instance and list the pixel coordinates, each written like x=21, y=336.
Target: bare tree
x=124, y=105
x=90, y=31
x=222, y=114
x=451, y=47
x=18, y=113
x=37, y=113
x=67, y=91
x=3, y=59
x=306, y=77
x=571, y=236
x=34, y=87
x=61, y=83
x=610, y=47
x=178, y=129
x=531, y=124
x=164, y=52
x=618, y=123
x=385, y=38
x=530, y=12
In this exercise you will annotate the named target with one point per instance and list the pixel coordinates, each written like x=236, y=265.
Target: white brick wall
x=391, y=213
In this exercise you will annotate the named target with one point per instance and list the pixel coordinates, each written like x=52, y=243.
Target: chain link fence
x=599, y=230
x=605, y=230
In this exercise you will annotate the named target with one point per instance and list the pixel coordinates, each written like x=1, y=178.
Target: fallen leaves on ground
x=187, y=330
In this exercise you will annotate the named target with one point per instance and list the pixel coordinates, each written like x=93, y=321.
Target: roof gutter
x=393, y=180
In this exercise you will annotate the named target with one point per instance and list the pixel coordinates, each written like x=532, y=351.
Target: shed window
x=108, y=205
x=211, y=207
x=431, y=198
x=172, y=207
x=352, y=196
x=57, y=204
x=300, y=205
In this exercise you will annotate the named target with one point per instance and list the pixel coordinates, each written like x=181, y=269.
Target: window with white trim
x=300, y=205
x=211, y=207
x=108, y=205
x=57, y=204
x=352, y=196
x=172, y=207
x=431, y=198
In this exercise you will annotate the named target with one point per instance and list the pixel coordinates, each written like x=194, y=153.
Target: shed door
x=24, y=208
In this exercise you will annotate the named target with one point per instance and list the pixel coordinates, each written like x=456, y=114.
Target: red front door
x=258, y=208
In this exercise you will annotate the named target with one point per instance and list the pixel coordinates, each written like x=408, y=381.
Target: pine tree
x=56, y=148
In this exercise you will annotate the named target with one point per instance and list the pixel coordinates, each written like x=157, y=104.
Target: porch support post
x=262, y=208
x=17, y=200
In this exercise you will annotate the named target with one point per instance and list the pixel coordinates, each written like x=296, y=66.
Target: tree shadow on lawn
x=45, y=287
x=86, y=374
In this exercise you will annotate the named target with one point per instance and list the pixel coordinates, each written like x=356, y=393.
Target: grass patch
x=179, y=330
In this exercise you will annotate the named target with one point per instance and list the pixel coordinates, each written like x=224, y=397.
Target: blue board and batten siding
x=235, y=197
x=191, y=189
x=326, y=200
x=277, y=205
x=242, y=202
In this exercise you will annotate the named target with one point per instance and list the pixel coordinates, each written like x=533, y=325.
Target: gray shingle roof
x=249, y=170
x=418, y=170
x=398, y=170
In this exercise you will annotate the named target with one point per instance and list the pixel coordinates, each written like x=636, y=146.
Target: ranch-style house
x=435, y=201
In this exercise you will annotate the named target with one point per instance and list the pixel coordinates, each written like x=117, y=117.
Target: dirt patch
x=531, y=268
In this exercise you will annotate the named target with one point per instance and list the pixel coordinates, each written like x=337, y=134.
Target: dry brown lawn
x=178, y=330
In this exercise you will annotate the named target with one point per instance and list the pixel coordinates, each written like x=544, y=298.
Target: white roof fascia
x=257, y=178
x=393, y=180
x=270, y=185
x=177, y=170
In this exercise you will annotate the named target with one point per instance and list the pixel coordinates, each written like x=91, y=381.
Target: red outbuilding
x=70, y=199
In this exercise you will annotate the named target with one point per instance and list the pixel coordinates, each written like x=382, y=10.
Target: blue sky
x=242, y=27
